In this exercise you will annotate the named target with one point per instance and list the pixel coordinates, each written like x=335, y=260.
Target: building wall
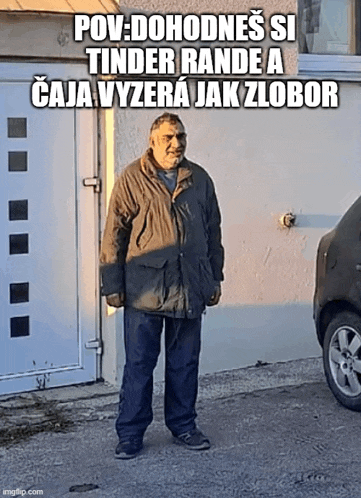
x=38, y=35
x=268, y=7
x=266, y=163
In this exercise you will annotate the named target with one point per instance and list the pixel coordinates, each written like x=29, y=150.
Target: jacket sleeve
x=121, y=211
x=215, y=248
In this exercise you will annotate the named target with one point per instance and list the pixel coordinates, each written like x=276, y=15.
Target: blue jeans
x=142, y=338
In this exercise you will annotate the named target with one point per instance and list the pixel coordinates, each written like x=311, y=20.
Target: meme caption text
x=192, y=72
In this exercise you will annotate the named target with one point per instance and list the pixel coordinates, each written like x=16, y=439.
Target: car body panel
x=338, y=270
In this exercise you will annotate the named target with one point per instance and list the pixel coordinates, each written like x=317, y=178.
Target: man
x=162, y=260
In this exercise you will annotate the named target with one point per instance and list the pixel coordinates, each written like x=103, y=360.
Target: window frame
x=338, y=64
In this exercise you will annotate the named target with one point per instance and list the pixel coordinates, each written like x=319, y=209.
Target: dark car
x=337, y=307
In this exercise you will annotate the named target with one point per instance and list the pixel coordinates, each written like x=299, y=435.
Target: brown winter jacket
x=163, y=250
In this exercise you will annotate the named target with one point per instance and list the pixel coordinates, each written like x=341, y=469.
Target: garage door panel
x=42, y=268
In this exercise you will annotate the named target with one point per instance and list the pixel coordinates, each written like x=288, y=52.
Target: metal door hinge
x=95, y=344
x=93, y=182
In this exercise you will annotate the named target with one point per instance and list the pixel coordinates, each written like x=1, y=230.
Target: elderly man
x=162, y=259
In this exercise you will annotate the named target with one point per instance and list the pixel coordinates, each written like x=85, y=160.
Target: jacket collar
x=184, y=179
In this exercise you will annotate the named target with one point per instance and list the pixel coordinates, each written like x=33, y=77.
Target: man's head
x=168, y=140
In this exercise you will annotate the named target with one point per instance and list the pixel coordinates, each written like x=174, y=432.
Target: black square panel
x=19, y=243
x=19, y=326
x=16, y=127
x=18, y=161
x=19, y=293
x=18, y=210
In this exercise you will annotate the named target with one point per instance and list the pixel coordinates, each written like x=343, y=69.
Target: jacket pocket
x=145, y=283
x=207, y=282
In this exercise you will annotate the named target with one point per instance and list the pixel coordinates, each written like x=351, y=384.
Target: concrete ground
x=276, y=431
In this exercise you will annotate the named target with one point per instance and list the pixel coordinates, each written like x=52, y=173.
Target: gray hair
x=166, y=117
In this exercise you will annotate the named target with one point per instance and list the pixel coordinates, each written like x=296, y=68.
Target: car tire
x=342, y=358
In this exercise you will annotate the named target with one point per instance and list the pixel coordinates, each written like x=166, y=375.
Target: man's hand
x=116, y=300
x=215, y=296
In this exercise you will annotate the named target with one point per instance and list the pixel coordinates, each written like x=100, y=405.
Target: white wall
x=265, y=163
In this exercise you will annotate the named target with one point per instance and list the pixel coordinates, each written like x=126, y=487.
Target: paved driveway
x=291, y=441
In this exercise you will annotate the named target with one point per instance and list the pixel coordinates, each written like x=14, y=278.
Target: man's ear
x=151, y=142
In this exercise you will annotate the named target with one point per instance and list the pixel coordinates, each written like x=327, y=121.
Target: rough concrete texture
x=55, y=408
x=268, y=441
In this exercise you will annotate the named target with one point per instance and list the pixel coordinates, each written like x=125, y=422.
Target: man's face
x=169, y=143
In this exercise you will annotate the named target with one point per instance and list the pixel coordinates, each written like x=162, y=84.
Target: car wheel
x=342, y=359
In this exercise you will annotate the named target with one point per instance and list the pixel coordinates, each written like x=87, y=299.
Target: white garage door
x=48, y=248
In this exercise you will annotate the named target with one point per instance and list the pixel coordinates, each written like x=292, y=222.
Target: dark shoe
x=193, y=440
x=129, y=448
